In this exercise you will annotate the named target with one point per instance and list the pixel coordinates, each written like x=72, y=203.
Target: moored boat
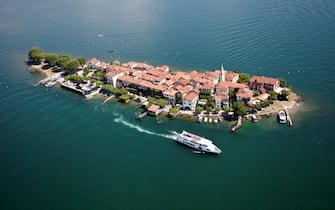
x=197, y=142
x=200, y=118
x=282, y=117
x=254, y=118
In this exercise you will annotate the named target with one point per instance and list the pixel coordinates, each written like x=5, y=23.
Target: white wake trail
x=142, y=130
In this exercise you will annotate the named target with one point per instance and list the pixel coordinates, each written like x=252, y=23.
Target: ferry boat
x=282, y=117
x=197, y=142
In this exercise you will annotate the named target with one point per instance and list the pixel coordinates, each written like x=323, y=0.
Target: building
x=190, y=100
x=112, y=76
x=221, y=97
x=170, y=96
x=244, y=94
x=232, y=76
x=154, y=110
x=93, y=63
x=222, y=74
x=261, y=82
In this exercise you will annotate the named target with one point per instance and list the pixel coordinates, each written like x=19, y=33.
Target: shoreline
x=292, y=105
x=38, y=68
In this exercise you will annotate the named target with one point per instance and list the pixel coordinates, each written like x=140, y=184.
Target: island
x=209, y=96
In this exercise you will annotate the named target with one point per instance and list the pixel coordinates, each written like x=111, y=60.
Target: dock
x=72, y=87
x=238, y=124
x=288, y=118
x=107, y=99
x=92, y=94
x=140, y=116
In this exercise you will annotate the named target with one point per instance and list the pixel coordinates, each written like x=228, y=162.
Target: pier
x=238, y=124
x=73, y=88
x=140, y=116
x=107, y=99
x=288, y=118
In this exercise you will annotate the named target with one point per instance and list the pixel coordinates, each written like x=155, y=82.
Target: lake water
x=58, y=151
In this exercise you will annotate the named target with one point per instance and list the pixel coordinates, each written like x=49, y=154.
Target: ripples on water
x=50, y=137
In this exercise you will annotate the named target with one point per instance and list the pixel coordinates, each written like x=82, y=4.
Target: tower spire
x=222, y=75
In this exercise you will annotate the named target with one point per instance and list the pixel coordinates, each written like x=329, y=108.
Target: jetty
x=140, y=116
x=238, y=124
x=288, y=118
x=107, y=99
x=70, y=86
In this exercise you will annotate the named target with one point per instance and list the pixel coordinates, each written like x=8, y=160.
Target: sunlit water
x=58, y=151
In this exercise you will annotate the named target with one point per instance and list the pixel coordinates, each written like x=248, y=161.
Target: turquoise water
x=58, y=151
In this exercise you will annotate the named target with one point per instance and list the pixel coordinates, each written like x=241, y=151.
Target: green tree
x=35, y=53
x=232, y=95
x=117, y=62
x=210, y=103
x=99, y=83
x=113, y=90
x=161, y=102
x=273, y=95
x=125, y=97
x=67, y=56
x=51, y=58
x=282, y=83
x=81, y=60
x=240, y=108
x=61, y=61
x=258, y=107
x=99, y=75
x=74, y=77
x=174, y=110
x=265, y=103
x=227, y=109
x=209, y=109
x=71, y=65
x=205, y=95
x=86, y=71
x=283, y=96
x=198, y=109
x=244, y=78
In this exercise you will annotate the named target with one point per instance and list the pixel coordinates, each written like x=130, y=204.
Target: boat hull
x=210, y=148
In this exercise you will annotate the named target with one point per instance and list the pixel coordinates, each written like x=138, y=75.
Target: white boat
x=210, y=120
x=197, y=142
x=205, y=119
x=200, y=119
x=282, y=117
x=254, y=118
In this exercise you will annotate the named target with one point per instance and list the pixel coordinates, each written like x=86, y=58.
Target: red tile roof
x=230, y=75
x=265, y=80
x=221, y=97
x=171, y=92
x=191, y=96
x=222, y=85
x=155, y=72
x=94, y=61
x=112, y=73
x=207, y=86
x=245, y=93
x=153, y=108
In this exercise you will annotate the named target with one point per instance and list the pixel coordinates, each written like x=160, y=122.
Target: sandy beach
x=46, y=72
